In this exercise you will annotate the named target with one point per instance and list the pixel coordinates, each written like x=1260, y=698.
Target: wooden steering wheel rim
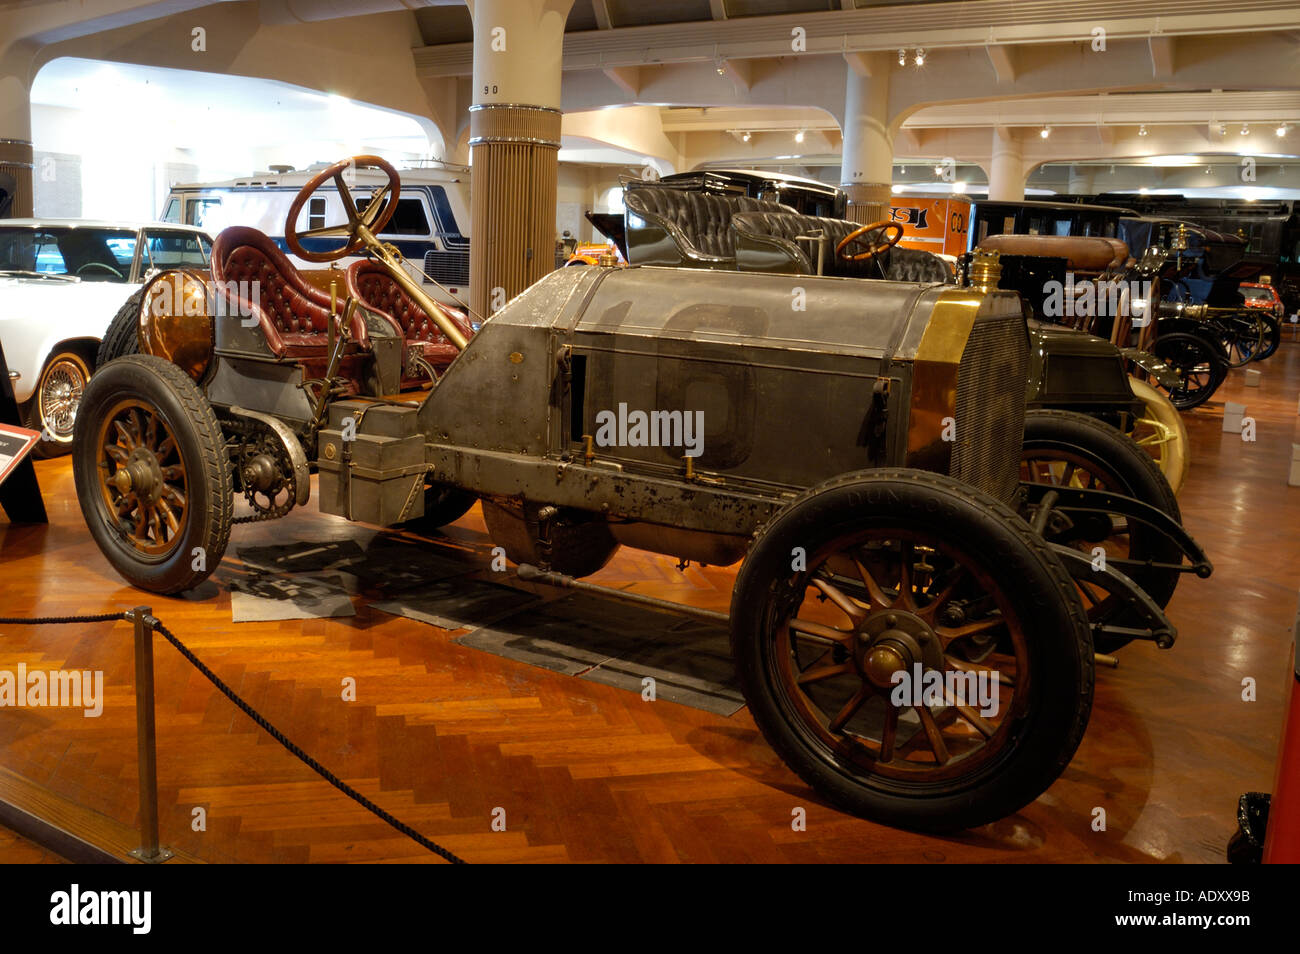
x=356, y=217
x=873, y=250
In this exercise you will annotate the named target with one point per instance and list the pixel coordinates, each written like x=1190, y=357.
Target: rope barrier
x=157, y=625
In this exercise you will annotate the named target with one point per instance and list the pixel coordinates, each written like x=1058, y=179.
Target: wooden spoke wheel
x=1161, y=433
x=912, y=650
x=1065, y=449
x=153, y=474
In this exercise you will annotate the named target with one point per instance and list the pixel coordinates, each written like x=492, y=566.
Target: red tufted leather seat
x=370, y=283
x=293, y=315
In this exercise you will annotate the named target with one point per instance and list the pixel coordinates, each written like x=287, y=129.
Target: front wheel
x=1197, y=362
x=152, y=474
x=912, y=650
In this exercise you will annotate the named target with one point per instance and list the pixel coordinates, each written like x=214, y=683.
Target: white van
x=429, y=227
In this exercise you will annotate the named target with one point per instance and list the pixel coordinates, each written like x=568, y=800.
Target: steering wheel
x=874, y=245
x=361, y=224
x=105, y=267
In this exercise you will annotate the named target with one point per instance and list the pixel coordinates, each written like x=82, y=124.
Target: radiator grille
x=990, y=418
x=447, y=268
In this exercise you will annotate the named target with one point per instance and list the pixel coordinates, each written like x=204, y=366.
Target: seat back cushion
x=257, y=280
x=700, y=222
x=370, y=283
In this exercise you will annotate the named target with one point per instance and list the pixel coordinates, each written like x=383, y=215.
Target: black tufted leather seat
x=768, y=242
x=686, y=228
x=370, y=283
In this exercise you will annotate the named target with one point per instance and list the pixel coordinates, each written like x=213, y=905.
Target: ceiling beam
x=1162, y=55
x=601, y=10
x=628, y=78
x=1003, y=59
x=718, y=9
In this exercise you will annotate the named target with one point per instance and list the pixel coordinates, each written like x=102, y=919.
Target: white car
x=61, y=283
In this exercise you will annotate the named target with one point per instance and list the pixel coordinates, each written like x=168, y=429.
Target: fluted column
x=514, y=142
x=16, y=143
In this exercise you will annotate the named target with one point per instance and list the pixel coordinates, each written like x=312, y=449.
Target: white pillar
x=866, y=171
x=16, y=132
x=1007, y=170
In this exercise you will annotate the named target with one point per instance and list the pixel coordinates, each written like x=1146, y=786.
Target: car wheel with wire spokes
x=152, y=474
x=53, y=407
x=912, y=649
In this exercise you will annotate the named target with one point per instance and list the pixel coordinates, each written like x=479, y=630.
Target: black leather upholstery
x=686, y=228
x=768, y=242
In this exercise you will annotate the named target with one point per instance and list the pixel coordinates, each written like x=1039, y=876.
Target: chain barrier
x=157, y=625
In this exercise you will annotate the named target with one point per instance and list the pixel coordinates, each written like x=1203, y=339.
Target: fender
x=1132, y=598
x=1153, y=366
x=292, y=447
x=1103, y=501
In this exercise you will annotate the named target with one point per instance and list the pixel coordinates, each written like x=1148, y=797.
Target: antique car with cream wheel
x=861, y=456
x=61, y=283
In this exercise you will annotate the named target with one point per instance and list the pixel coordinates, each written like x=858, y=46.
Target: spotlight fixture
x=919, y=60
x=1245, y=130
x=1207, y=170
x=721, y=67
x=1281, y=130
x=938, y=170
x=902, y=57
x=1045, y=131
x=798, y=137
x=746, y=137
x=1142, y=130
x=903, y=170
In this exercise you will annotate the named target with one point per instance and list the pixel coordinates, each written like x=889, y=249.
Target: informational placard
x=15, y=442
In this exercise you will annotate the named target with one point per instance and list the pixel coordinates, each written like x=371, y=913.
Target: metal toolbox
x=371, y=462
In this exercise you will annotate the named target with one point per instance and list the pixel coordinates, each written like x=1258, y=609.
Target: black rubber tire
x=190, y=419
x=1185, y=349
x=123, y=334
x=1272, y=337
x=443, y=505
x=1129, y=470
x=1024, y=568
x=33, y=415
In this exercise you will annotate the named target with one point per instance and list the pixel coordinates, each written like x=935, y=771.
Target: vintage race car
x=913, y=623
x=61, y=283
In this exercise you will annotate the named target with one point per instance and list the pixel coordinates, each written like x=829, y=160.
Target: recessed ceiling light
x=1045, y=131
x=1245, y=130
x=1142, y=130
x=1281, y=131
x=798, y=137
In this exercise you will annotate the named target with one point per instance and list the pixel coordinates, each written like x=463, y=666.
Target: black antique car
x=908, y=641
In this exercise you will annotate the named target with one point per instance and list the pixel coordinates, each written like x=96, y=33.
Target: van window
x=197, y=210
x=173, y=212
x=409, y=219
x=316, y=214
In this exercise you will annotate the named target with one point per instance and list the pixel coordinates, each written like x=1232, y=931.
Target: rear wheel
x=1272, y=337
x=1064, y=449
x=152, y=474
x=1197, y=362
x=912, y=650
x=56, y=401
x=123, y=334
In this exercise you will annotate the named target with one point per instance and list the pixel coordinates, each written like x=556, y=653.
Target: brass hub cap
x=894, y=641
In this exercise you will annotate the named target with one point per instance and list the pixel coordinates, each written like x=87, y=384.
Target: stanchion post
x=150, y=852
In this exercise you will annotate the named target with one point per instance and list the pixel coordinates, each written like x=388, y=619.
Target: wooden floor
x=442, y=735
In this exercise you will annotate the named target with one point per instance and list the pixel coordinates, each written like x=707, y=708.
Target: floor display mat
x=257, y=597
x=621, y=644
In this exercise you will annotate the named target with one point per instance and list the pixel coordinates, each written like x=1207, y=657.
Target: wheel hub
x=141, y=475
x=892, y=641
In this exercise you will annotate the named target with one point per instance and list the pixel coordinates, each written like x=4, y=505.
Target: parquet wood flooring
x=441, y=735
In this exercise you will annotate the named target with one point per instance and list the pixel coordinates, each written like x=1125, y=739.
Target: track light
x=1245, y=130
x=1142, y=130
x=1281, y=130
x=746, y=137
x=798, y=137
x=1045, y=131
x=902, y=57
x=721, y=67
x=920, y=57
x=938, y=170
